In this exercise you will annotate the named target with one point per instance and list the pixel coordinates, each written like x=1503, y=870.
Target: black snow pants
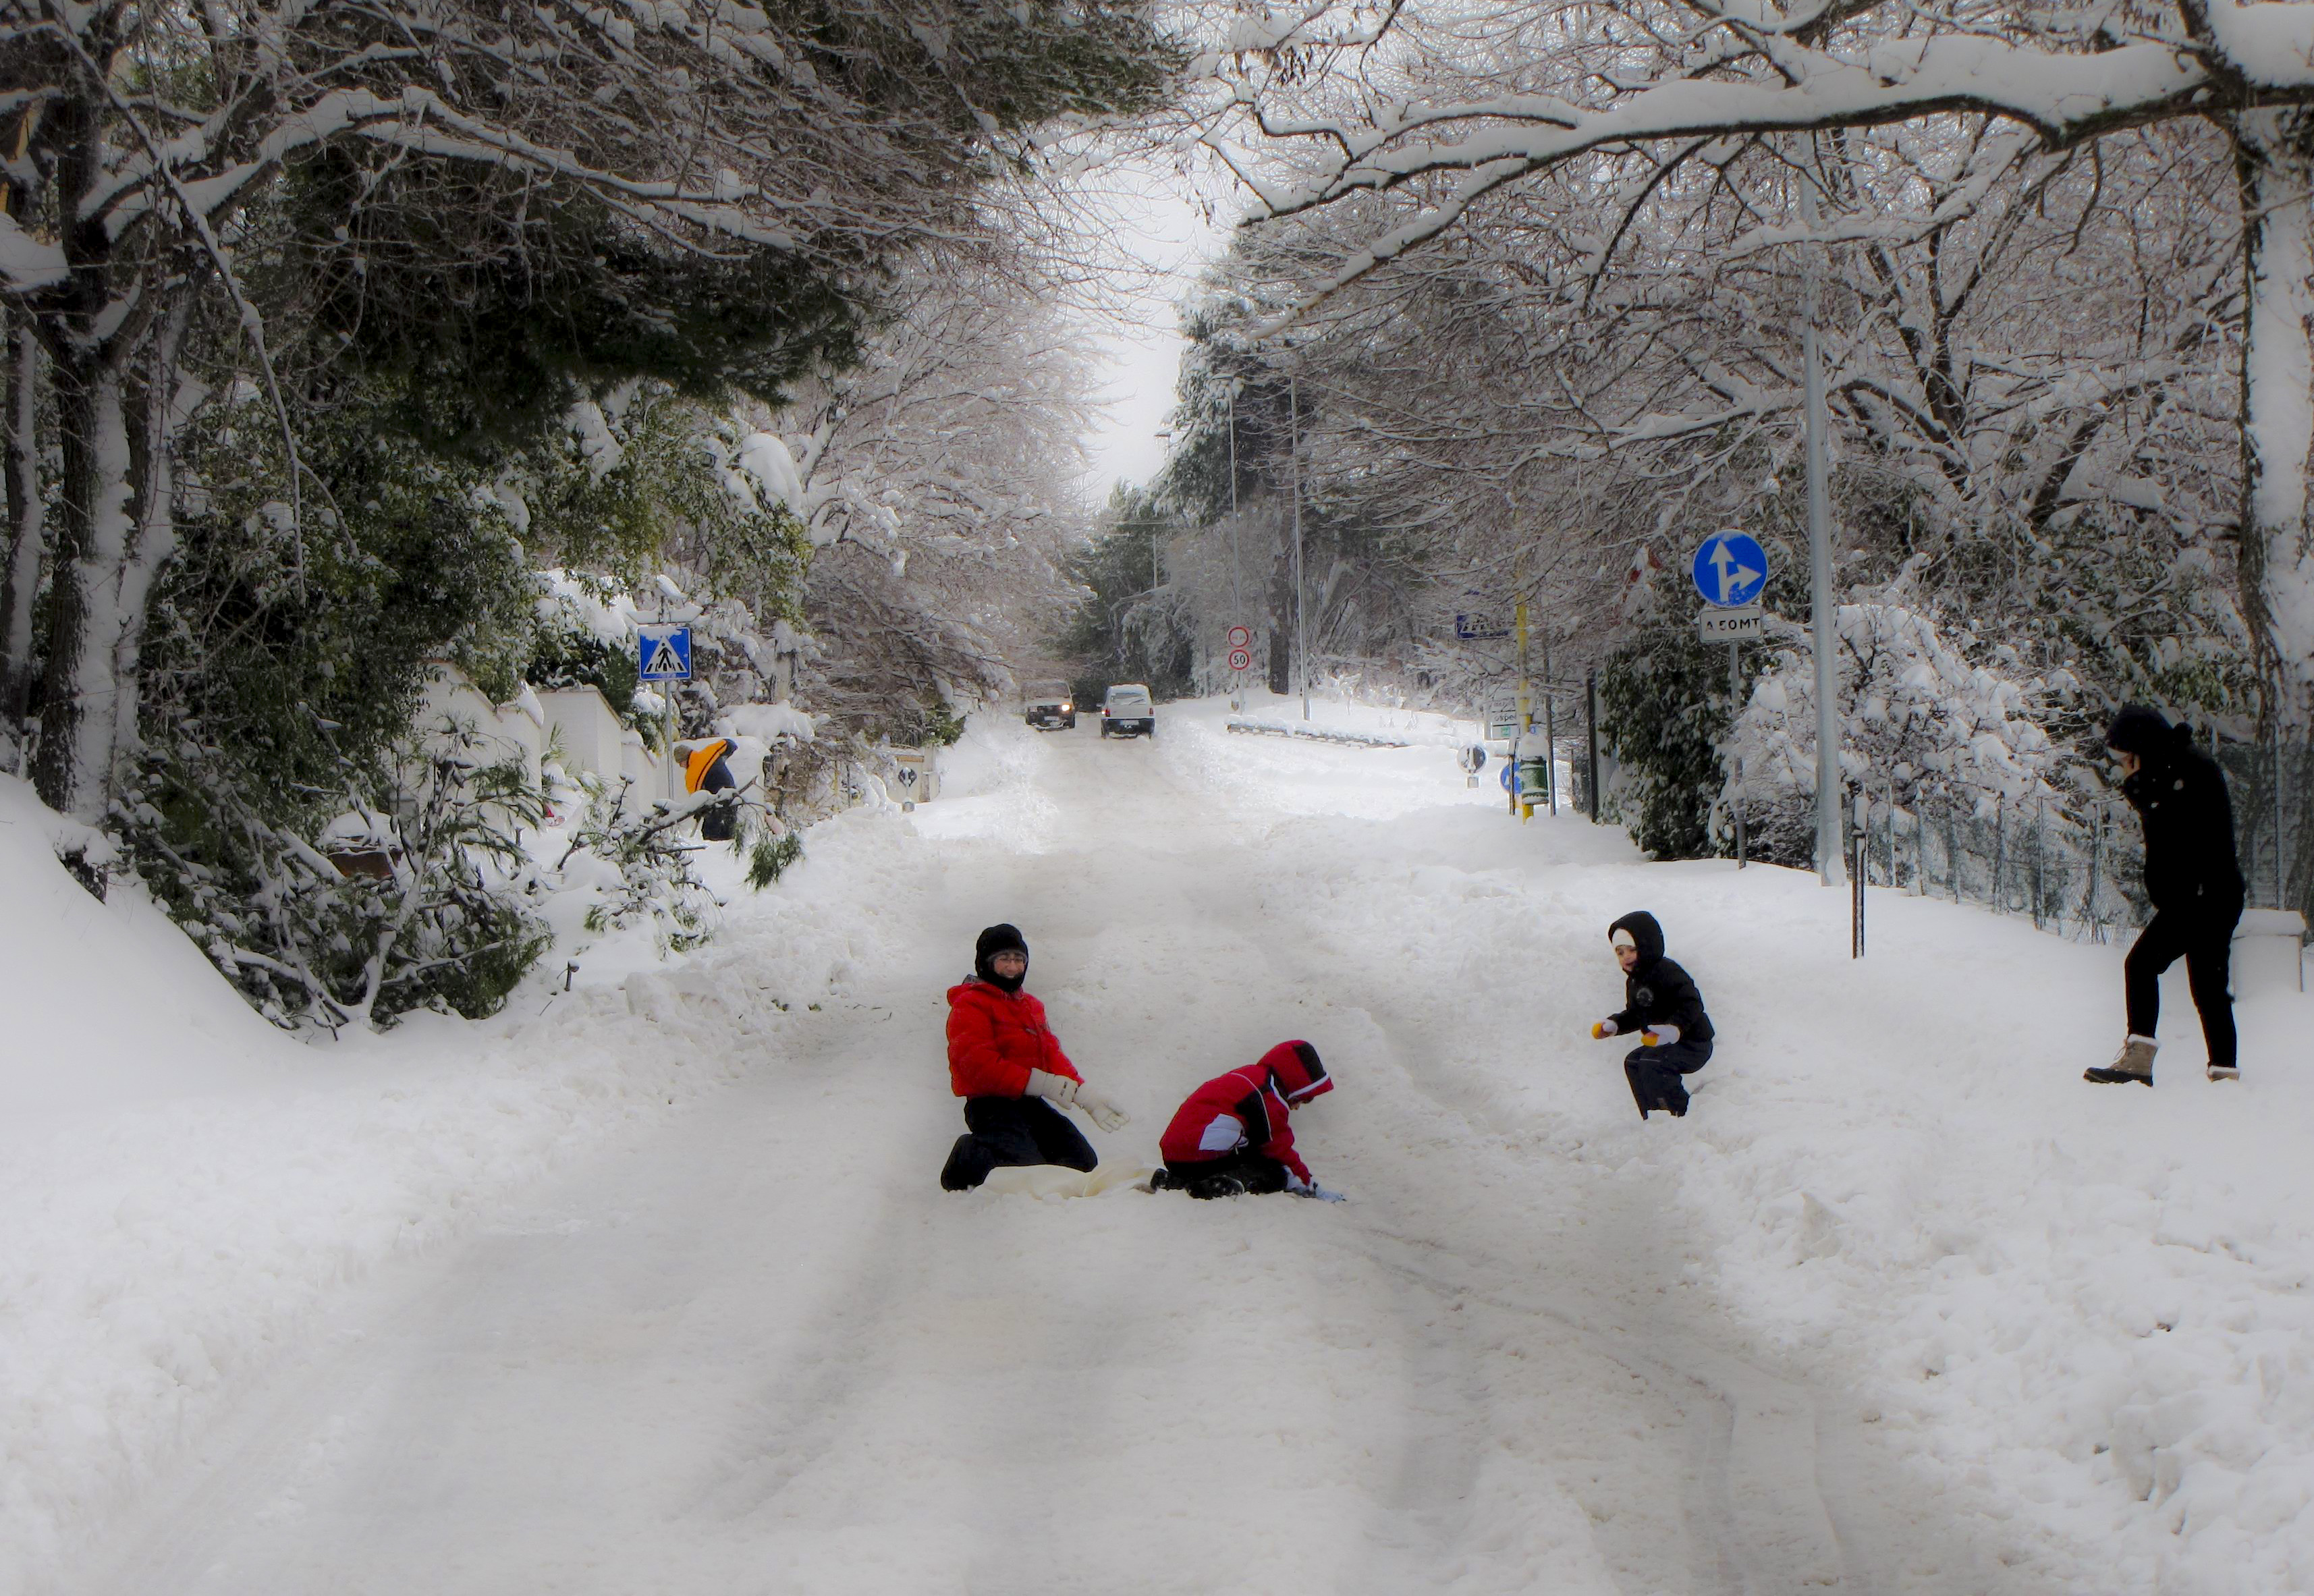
x=1256, y=1174
x=2205, y=942
x=1002, y=1131
x=1655, y=1074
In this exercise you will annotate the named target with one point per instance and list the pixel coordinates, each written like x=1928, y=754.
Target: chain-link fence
x=2078, y=868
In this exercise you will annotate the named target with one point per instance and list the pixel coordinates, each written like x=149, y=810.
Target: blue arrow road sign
x=1730, y=568
x=664, y=654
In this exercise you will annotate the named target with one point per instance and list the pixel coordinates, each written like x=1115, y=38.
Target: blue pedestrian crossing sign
x=1730, y=568
x=664, y=654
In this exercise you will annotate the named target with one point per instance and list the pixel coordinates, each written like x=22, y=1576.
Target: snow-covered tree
x=145, y=142
x=1443, y=111
x=940, y=481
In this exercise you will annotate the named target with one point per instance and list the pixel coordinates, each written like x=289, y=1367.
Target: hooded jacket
x=2180, y=798
x=1657, y=991
x=995, y=1038
x=708, y=768
x=1246, y=1110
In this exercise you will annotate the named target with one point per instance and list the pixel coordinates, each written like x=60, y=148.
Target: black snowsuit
x=1006, y=1133
x=1657, y=991
x=2191, y=875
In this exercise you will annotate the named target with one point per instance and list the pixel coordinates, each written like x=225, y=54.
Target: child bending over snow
x=1007, y=1065
x=1657, y=996
x=1231, y=1137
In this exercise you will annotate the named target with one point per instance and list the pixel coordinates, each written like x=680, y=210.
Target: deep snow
x=654, y=1290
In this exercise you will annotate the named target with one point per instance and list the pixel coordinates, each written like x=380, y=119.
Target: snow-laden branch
x=26, y=262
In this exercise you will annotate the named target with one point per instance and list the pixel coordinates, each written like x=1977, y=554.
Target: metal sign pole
x=1822, y=625
x=1525, y=725
x=1237, y=607
x=1856, y=876
x=1735, y=715
x=1549, y=735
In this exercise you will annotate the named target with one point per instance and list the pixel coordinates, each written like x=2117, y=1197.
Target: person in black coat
x=2193, y=880
x=1658, y=994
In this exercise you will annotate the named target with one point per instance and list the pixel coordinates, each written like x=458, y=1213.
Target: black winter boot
x=968, y=1165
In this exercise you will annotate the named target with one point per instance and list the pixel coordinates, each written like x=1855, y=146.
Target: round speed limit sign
x=1241, y=637
x=1240, y=659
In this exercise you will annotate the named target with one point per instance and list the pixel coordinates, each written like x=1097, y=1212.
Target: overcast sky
x=1163, y=225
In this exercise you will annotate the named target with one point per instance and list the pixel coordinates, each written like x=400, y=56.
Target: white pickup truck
x=1048, y=704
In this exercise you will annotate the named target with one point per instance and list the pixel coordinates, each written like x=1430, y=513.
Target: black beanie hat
x=2140, y=730
x=996, y=939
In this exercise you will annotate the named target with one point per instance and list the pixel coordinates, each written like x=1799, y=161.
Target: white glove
x=1103, y=1113
x=1075, y=1094
x=1323, y=1196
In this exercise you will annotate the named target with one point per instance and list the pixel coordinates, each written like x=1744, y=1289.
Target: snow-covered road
x=654, y=1291
x=759, y=1351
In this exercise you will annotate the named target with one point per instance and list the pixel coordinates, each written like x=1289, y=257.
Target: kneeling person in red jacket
x=1007, y=1065
x=1231, y=1137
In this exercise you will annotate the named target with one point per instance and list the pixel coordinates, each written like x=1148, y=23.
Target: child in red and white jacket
x=1007, y=1065
x=1233, y=1138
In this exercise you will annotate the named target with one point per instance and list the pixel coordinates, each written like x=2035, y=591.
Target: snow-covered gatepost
x=1693, y=80
x=2277, y=401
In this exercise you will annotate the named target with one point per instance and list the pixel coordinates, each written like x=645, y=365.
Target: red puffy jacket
x=1247, y=1109
x=995, y=1038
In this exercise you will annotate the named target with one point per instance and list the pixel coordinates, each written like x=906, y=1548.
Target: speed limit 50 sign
x=1240, y=659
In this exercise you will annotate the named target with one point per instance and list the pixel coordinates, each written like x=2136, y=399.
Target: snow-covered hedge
x=1919, y=716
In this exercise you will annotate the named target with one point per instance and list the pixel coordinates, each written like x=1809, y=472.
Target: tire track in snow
x=1784, y=1493
x=763, y=1352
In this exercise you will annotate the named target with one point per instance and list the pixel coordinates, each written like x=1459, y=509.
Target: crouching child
x=1007, y=1065
x=1659, y=998
x=1232, y=1137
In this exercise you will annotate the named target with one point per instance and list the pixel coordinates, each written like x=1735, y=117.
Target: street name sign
x=1479, y=628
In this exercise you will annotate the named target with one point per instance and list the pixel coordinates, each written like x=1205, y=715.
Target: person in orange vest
x=708, y=770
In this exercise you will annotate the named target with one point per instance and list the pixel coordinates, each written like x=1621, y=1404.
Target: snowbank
x=108, y=1003
x=184, y=1188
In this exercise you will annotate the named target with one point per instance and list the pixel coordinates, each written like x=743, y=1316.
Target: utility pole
x=1237, y=613
x=1824, y=630
x=1237, y=603
x=1301, y=632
